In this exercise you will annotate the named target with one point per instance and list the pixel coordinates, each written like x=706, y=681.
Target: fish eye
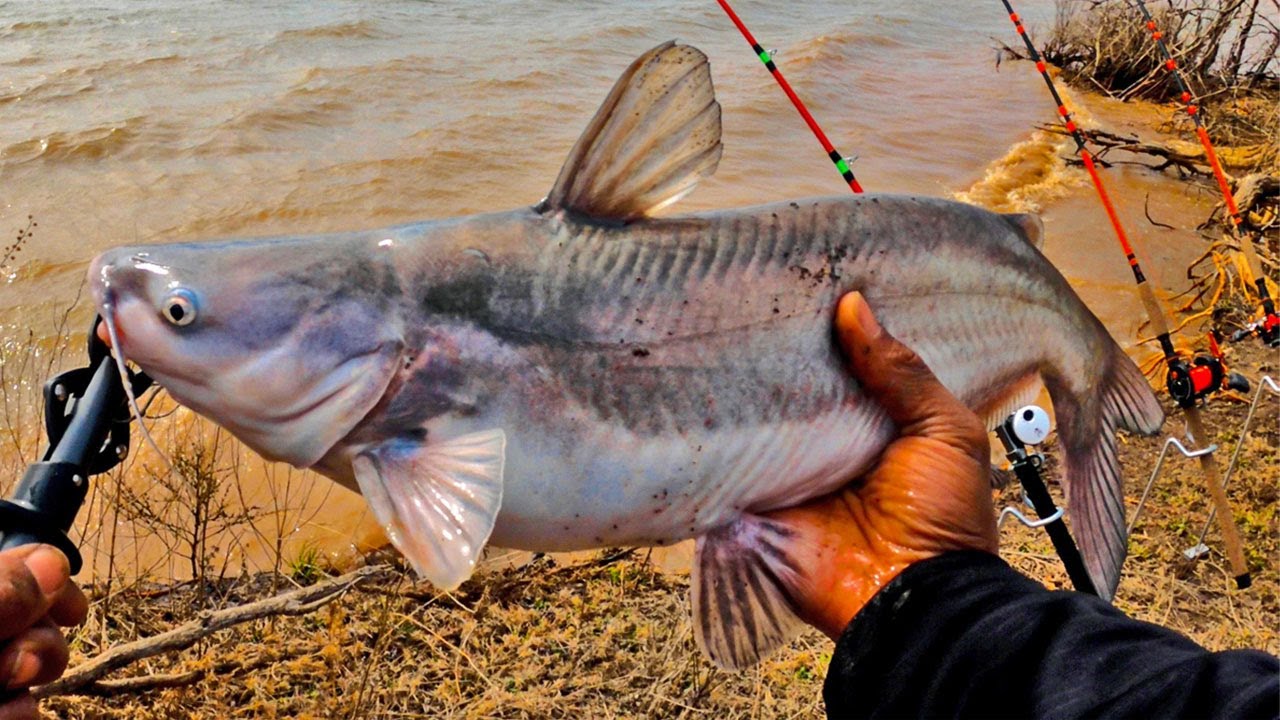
x=179, y=307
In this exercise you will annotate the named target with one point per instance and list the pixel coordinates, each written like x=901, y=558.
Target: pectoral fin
x=437, y=502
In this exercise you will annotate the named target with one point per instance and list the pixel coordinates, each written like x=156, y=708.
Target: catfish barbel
x=577, y=374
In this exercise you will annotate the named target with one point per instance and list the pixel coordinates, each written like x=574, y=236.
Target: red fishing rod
x=1267, y=328
x=1187, y=382
x=841, y=165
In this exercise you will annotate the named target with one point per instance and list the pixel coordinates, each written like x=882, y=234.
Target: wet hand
x=36, y=596
x=928, y=494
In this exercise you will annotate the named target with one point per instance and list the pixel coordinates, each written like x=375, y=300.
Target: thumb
x=898, y=380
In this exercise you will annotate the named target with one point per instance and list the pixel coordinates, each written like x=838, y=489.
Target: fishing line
x=842, y=166
x=1180, y=372
x=117, y=354
x=1268, y=327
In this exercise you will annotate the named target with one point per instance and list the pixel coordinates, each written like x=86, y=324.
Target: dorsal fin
x=653, y=139
x=1029, y=226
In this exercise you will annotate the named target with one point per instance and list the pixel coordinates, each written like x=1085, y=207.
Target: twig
x=1146, y=211
x=296, y=602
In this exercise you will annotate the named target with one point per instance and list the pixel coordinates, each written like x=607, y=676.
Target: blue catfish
x=578, y=374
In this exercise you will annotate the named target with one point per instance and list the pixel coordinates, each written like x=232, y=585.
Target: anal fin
x=741, y=611
x=437, y=502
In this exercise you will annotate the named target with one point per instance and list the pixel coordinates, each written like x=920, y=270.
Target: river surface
x=126, y=122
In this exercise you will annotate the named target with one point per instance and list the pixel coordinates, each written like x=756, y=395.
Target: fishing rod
x=1187, y=382
x=842, y=166
x=1267, y=328
x=86, y=417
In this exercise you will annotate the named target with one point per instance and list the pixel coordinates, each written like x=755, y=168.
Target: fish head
x=287, y=344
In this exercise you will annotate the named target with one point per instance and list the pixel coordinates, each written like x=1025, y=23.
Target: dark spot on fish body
x=463, y=297
x=795, y=205
x=640, y=352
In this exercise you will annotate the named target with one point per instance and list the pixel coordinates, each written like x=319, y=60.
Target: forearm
x=964, y=634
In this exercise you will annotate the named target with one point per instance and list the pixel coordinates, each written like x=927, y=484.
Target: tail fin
x=1087, y=422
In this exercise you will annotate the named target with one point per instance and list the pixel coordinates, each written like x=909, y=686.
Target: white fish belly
x=590, y=484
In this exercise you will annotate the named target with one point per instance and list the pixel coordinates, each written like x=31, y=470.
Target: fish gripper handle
x=87, y=421
x=43, y=508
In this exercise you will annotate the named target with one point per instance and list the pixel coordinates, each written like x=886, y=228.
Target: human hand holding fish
x=928, y=494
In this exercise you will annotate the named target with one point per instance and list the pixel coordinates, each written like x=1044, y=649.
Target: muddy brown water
x=129, y=123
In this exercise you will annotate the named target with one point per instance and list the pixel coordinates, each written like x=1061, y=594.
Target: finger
x=35, y=657
x=31, y=578
x=70, y=606
x=897, y=379
x=20, y=706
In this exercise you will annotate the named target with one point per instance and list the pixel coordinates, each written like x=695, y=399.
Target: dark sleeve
x=966, y=635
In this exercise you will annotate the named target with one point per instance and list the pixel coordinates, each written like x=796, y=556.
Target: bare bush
x=1225, y=50
x=192, y=508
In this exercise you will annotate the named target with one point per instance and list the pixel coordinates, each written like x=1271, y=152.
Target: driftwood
x=294, y=602
x=1185, y=163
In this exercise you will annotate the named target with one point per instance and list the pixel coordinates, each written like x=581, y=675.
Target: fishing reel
x=1190, y=382
x=1265, y=328
x=1028, y=426
x=86, y=417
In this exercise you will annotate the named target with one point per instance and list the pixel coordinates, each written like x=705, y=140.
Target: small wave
x=122, y=67
x=49, y=89
x=353, y=83
x=835, y=46
x=279, y=118
x=92, y=144
x=1031, y=174
x=35, y=26
x=360, y=30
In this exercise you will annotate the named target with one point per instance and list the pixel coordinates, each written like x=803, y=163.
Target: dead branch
x=295, y=602
x=160, y=681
